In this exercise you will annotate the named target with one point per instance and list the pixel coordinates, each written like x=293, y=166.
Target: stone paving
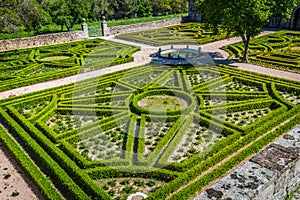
x=267, y=71
x=270, y=175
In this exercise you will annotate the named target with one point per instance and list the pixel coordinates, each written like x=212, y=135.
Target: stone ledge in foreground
x=271, y=174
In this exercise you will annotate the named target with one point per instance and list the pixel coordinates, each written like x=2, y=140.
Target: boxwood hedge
x=99, y=117
x=30, y=66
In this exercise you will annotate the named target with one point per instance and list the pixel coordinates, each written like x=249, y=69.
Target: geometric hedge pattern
x=103, y=138
x=279, y=50
x=35, y=65
x=188, y=33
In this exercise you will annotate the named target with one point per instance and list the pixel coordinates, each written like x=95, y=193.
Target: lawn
x=104, y=138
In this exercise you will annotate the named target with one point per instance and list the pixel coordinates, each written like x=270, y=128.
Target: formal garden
x=188, y=33
x=122, y=117
x=154, y=129
x=279, y=50
x=29, y=66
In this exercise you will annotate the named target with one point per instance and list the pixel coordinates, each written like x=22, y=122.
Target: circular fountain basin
x=178, y=56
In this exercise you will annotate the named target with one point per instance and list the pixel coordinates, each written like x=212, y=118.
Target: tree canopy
x=68, y=12
x=17, y=15
x=244, y=18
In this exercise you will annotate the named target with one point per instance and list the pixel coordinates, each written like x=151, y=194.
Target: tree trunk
x=246, y=52
x=70, y=28
x=246, y=41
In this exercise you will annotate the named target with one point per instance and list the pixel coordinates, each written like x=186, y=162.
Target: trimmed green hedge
x=191, y=104
x=150, y=159
x=59, y=155
x=163, y=192
x=54, y=170
x=274, y=51
x=29, y=167
x=83, y=181
x=28, y=67
x=244, y=154
x=188, y=33
x=132, y=171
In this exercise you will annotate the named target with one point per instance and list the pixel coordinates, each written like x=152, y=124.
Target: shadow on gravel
x=227, y=62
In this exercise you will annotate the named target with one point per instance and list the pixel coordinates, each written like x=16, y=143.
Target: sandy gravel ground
x=14, y=185
x=13, y=180
x=143, y=57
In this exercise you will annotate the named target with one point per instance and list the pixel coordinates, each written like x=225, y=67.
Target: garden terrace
x=189, y=33
x=29, y=66
x=93, y=140
x=280, y=50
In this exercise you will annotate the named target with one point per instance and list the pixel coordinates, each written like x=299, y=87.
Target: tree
x=162, y=6
x=15, y=15
x=9, y=20
x=101, y=8
x=68, y=12
x=33, y=15
x=243, y=18
x=126, y=8
x=179, y=6
x=145, y=9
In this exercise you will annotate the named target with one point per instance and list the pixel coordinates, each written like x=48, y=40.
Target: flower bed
x=94, y=141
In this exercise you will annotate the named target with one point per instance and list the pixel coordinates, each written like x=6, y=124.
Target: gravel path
x=267, y=71
x=142, y=57
x=17, y=183
x=14, y=184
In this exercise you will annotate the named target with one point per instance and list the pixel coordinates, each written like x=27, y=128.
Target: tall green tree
x=100, y=8
x=244, y=18
x=15, y=15
x=10, y=21
x=126, y=8
x=169, y=6
x=145, y=8
x=68, y=12
x=179, y=6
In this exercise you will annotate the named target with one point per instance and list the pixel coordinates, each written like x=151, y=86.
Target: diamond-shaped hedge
x=153, y=129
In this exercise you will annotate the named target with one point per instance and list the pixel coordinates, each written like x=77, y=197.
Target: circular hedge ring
x=179, y=95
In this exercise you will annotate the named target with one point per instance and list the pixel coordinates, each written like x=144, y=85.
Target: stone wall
x=143, y=26
x=270, y=175
x=41, y=40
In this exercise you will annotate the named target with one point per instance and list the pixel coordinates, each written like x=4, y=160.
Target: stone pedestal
x=105, y=30
x=85, y=29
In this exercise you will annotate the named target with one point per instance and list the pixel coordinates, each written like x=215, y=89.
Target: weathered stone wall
x=143, y=26
x=41, y=40
x=270, y=175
